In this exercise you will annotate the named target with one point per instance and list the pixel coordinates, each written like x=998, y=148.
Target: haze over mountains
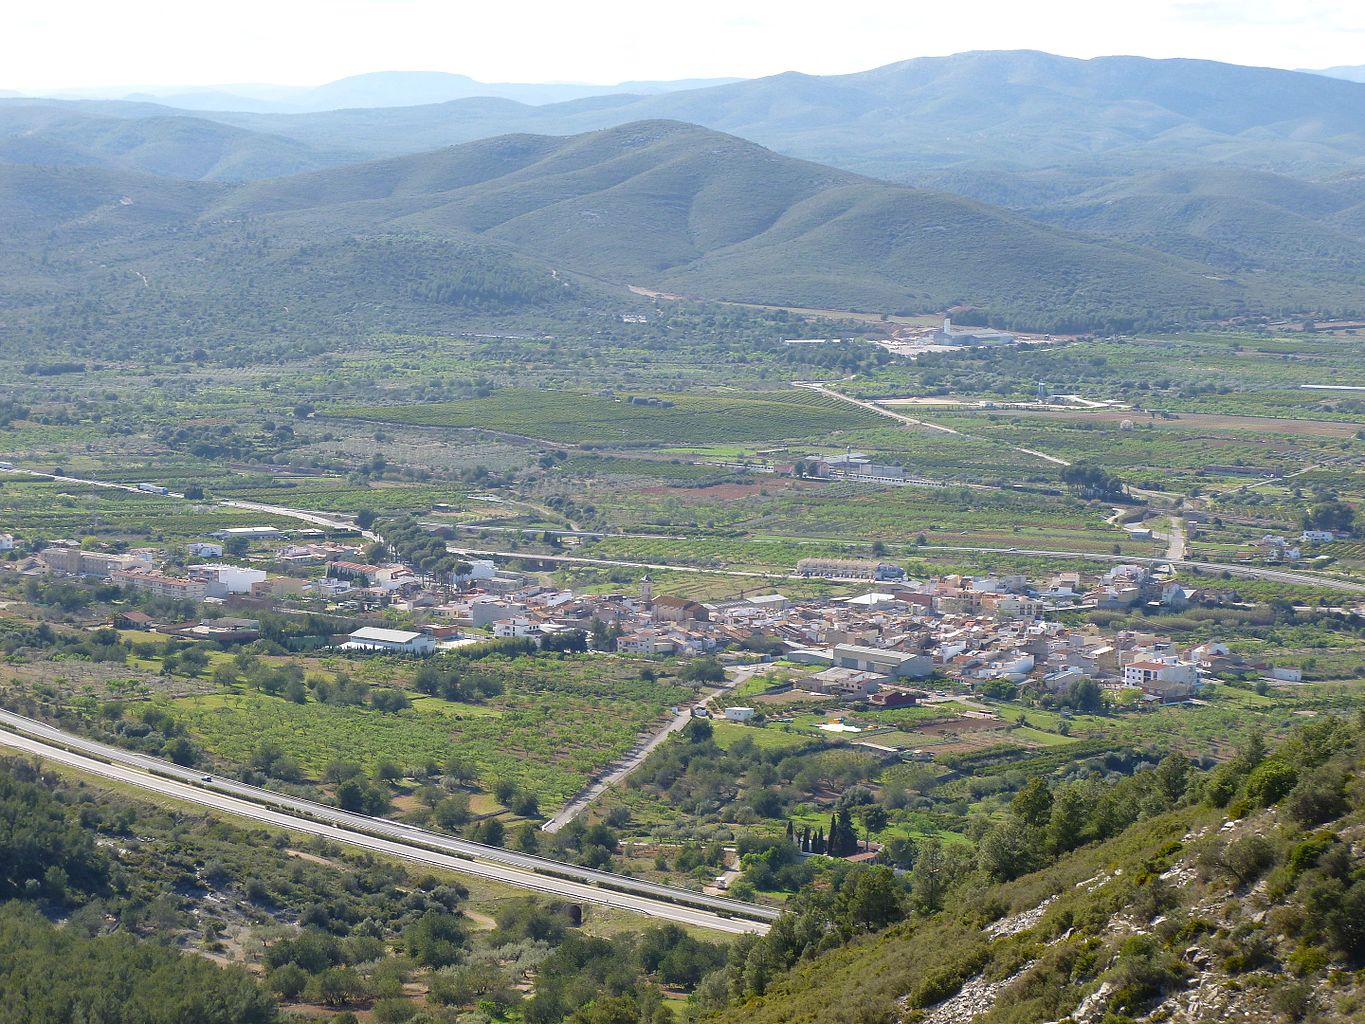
x=1110, y=192
x=375, y=89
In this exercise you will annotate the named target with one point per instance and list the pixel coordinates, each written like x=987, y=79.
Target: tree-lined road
x=380, y=835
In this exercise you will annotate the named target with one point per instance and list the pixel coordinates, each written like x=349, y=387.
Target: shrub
x=1318, y=797
x=1270, y=782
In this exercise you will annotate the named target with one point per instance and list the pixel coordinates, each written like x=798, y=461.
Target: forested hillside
x=659, y=204
x=1236, y=895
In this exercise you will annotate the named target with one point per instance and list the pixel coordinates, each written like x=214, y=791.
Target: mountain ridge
x=662, y=205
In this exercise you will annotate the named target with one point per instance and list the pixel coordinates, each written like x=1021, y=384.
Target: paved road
x=581, y=560
x=332, y=522
x=584, y=798
x=1247, y=571
x=93, y=483
x=635, y=758
x=383, y=836
x=910, y=421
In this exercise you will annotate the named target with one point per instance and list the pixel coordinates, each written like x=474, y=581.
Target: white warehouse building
x=398, y=641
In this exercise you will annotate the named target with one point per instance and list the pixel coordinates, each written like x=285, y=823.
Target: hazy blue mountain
x=172, y=145
x=1351, y=73
x=376, y=89
x=1017, y=110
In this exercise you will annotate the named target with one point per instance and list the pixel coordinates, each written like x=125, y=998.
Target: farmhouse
x=850, y=683
x=398, y=641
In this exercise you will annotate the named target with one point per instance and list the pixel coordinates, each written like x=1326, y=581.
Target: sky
x=60, y=44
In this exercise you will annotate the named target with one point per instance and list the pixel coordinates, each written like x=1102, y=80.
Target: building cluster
x=976, y=630
x=1273, y=548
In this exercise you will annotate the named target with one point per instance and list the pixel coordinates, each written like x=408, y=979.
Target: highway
x=380, y=835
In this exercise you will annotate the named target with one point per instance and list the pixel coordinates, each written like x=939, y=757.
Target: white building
x=1144, y=673
x=479, y=569
x=738, y=714
x=515, y=627
x=399, y=641
x=6, y=542
x=769, y=602
x=648, y=642
x=204, y=549
x=227, y=579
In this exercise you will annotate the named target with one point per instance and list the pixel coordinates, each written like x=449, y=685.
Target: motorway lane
x=663, y=900
x=496, y=872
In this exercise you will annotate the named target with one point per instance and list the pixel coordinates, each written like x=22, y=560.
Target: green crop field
x=555, y=725
x=693, y=418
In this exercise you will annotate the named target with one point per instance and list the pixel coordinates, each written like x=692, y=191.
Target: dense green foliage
x=58, y=976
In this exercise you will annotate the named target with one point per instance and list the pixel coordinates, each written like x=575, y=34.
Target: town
x=894, y=644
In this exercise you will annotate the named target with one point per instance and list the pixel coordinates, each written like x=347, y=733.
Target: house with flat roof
x=397, y=641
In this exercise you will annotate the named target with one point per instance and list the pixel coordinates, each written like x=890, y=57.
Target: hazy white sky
x=82, y=43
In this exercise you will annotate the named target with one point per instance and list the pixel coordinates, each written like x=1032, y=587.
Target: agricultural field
x=555, y=725
x=36, y=508
x=681, y=418
x=778, y=522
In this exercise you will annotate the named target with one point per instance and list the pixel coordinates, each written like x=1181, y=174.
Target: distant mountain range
x=1351, y=73
x=1017, y=110
x=376, y=89
x=1112, y=191
x=664, y=205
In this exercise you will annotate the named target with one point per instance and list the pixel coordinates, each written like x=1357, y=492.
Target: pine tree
x=791, y=832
